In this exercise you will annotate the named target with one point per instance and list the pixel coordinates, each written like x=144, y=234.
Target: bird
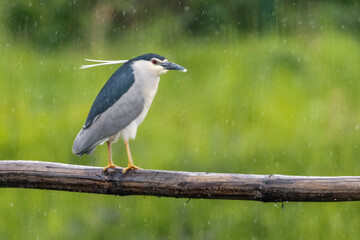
x=122, y=104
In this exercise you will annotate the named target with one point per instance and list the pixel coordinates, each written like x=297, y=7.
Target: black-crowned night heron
x=122, y=104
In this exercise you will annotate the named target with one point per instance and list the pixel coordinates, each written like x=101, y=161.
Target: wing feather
x=110, y=122
x=118, y=103
x=117, y=85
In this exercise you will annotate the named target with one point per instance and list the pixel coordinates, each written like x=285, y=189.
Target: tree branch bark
x=266, y=188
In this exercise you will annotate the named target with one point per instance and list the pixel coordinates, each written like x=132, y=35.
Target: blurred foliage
x=50, y=24
x=277, y=97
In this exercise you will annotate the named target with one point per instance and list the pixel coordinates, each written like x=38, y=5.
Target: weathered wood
x=266, y=188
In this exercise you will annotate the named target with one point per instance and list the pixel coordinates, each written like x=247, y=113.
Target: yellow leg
x=110, y=162
x=130, y=164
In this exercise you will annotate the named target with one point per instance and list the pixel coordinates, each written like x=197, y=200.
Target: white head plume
x=101, y=62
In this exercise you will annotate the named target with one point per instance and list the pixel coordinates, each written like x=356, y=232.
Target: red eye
x=154, y=61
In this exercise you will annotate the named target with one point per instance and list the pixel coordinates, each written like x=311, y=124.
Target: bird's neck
x=146, y=79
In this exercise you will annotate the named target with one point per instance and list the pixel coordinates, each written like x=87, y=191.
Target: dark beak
x=172, y=66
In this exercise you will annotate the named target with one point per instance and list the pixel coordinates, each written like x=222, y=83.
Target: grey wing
x=110, y=122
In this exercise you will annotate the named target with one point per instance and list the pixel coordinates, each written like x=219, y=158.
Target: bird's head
x=155, y=64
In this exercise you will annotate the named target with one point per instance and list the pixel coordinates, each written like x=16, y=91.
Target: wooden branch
x=266, y=188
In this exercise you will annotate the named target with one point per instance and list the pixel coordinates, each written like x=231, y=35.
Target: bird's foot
x=109, y=166
x=130, y=166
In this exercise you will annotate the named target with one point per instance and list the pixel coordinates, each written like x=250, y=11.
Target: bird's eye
x=154, y=61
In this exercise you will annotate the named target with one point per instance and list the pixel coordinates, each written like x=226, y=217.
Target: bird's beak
x=172, y=66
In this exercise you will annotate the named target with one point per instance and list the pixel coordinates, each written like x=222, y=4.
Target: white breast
x=148, y=81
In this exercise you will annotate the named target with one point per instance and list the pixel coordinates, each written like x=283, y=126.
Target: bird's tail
x=82, y=145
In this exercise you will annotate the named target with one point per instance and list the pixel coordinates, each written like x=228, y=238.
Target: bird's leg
x=110, y=162
x=130, y=164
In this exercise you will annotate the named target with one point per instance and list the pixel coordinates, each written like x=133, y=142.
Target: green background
x=272, y=88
